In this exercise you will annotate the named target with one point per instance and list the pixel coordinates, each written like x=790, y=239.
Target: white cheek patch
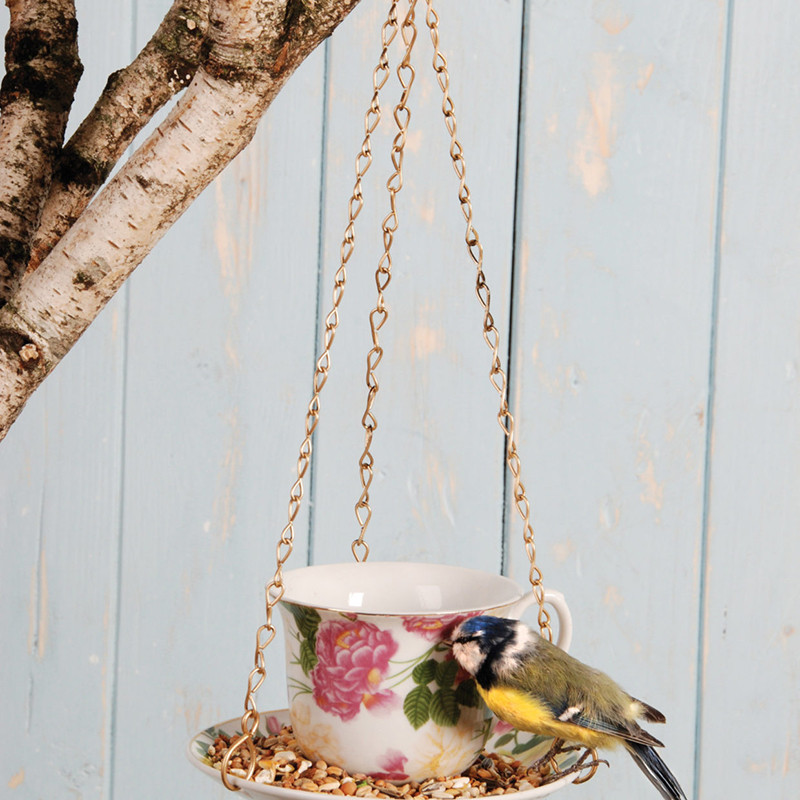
x=469, y=655
x=524, y=642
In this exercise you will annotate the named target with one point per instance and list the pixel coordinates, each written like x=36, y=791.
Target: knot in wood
x=29, y=354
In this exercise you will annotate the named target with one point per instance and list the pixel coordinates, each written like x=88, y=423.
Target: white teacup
x=372, y=687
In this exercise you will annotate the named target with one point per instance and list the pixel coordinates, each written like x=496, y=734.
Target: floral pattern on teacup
x=441, y=689
x=443, y=748
x=353, y=660
x=319, y=741
x=349, y=665
x=434, y=628
x=394, y=764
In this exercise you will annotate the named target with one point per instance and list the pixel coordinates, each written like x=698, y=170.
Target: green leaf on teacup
x=308, y=656
x=307, y=620
x=417, y=705
x=467, y=694
x=424, y=672
x=446, y=672
x=444, y=707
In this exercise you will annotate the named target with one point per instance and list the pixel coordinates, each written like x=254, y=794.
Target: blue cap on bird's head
x=484, y=627
x=480, y=638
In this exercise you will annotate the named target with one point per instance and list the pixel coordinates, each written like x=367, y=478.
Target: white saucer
x=511, y=742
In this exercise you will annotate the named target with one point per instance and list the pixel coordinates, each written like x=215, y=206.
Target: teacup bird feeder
x=373, y=688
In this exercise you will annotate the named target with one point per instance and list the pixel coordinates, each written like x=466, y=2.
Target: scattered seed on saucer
x=280, y=762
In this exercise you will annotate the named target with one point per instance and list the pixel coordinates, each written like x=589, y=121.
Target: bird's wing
x=580, y=695
x=593, y=720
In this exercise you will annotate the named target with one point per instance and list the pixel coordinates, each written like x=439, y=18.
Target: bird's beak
x=447, y=642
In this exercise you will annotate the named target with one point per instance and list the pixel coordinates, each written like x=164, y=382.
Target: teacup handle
x=556, y=600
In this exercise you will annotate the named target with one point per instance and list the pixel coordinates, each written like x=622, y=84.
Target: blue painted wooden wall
x=636, y=182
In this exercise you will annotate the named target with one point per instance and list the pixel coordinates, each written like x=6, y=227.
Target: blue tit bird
x=537, y=687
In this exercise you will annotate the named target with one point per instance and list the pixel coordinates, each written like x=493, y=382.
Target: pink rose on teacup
x=353, y=661
x=394, y=764
x=435, y=628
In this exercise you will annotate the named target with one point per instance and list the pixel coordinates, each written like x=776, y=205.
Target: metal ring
x=245, y=738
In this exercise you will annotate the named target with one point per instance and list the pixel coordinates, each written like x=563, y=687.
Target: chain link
x=383, y=274
x=275, y=590
x=592, y=767
x=496, y=374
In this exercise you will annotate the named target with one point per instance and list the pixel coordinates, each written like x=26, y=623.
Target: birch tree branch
x=42, y=72
x=255, y=45
x=165, y=66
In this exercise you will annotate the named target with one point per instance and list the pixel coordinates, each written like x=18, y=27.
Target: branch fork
x=236, y=55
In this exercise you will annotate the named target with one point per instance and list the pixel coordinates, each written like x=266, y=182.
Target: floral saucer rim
x=205, y=737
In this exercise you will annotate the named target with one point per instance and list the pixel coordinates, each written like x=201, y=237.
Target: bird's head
x=477, y=637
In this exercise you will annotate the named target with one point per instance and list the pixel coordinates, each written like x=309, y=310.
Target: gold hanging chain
x=490, y=334
x=383, y=274
x=275, y=589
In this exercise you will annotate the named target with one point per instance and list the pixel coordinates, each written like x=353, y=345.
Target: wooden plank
x=437, y=491
x=222, y=338
x=611, y=324
x=751, y=687
x=59, y=513
x=59, y=496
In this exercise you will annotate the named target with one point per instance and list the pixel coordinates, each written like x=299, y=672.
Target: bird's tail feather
x=649, y=713
x=656, y=770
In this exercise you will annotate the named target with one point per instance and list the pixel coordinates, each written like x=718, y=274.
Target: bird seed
x=280, y=762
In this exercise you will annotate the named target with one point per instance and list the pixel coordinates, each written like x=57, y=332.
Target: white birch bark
x=210, y=124
x=208, y=127
x=164, y=66
x=43, y=70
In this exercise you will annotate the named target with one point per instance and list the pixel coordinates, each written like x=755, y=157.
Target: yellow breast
x=526, y=712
